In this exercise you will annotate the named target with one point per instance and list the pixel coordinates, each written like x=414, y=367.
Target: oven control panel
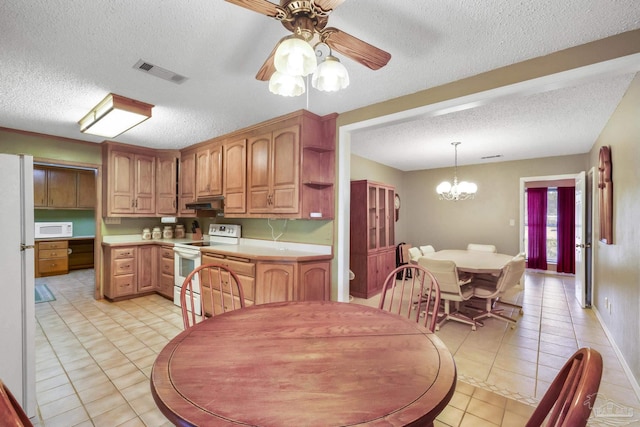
x=225, y=230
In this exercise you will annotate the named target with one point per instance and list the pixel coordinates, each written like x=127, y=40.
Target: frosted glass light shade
x=286, y=85
x=114, y=115
x=294, y=56
x=443, y=187
x=330, y=76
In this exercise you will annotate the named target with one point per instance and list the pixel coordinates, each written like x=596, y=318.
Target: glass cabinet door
x=382, y=218
x=372, y=208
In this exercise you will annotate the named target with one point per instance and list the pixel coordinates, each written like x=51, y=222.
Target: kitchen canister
x=146, y=233
x=156, y=233
x=179, y=232
x=167, y=233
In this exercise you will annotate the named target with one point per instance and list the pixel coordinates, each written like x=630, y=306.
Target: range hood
x=209, y=204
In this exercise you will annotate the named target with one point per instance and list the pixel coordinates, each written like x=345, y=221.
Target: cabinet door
x=61, y=188
x=285, y=170
x=39, y=187
x=86, y=197
x=274, y=283
x=187, y=183
x=166, y=179
x=147, y=260
x=121, y=177
x=235, y=176
x=258, y=164
x=145, y=184
x=209, y=172
x=314, y=282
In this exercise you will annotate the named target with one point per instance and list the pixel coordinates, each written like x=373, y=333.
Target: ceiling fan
x=308, y=19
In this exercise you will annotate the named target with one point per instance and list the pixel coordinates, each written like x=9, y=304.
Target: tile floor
x=93, y=358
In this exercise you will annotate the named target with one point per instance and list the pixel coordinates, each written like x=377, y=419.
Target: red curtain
x=537, y=228
x=566, y=229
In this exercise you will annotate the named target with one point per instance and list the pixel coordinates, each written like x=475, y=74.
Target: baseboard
x=621, y=359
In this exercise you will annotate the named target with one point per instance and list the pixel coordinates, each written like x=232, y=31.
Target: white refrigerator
x=17, y=300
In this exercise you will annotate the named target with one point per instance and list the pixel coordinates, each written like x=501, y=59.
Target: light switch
x=512, y=222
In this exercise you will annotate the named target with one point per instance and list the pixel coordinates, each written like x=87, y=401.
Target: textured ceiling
x=60, y=57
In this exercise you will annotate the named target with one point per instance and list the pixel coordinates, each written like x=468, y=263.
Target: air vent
x=495, y=156
x=157, y=71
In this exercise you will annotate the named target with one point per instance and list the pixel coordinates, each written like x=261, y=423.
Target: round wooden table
x=473, y=261
x=315, y=363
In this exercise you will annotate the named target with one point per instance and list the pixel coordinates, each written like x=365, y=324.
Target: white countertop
x=246, y=247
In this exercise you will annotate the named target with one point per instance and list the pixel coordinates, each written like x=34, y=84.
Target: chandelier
x=459, y=190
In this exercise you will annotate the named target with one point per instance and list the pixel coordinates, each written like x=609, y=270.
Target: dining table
x=473, y=261
x=304, y=363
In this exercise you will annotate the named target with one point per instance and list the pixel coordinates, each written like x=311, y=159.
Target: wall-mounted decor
x=605, y=191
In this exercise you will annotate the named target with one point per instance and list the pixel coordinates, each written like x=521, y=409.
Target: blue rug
x=43, y=294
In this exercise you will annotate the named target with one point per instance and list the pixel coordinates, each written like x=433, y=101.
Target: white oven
x=187, y=257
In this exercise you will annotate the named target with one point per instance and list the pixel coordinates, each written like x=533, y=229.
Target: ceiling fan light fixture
x=294, y=56
x=330, y=76
x=286, y=85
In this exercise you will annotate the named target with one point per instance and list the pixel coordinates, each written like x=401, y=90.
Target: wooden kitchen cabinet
x=86, y=189
x=235, y=176
x=291, y=167
x=147, y=269
x=372, y=245
x=166, y=185
x=273, y=163
x=52, y=258
x=209, y=171
x=244, y=268
x=120, y=265
x=129, y=181
x=167, y=265
x=275, y=282
x=187, y=183
x=314, y=281
x=63, y=188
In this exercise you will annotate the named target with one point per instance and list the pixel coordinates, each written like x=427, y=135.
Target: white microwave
x=47, y=230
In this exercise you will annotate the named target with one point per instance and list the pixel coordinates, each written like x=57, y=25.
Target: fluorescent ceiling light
x=114, y=115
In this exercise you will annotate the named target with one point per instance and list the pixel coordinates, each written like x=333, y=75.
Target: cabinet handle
x=133, y=203
x=136, y=203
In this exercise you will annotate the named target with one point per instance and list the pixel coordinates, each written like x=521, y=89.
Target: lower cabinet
x=147, y=259
x=52, y=258
x=120, y=267
x=166, y=283
x=294, y=281
x=244, y=268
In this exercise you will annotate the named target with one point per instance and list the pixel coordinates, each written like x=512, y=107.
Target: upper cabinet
x=130, y=177
x=281, y=168
x=274, y=163
x=291, y=167
x=166, y=184
x=63, y=188
x=187, y=183
x=235, y=176
x=209, y=171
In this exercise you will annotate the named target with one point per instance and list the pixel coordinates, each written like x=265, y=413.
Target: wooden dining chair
x=570, y=397
x=220, y=291
x=11, y=413
x=412, y=291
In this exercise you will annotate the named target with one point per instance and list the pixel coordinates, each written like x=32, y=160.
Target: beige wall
x=49, y=147
x=617, y=266
x=486, y=218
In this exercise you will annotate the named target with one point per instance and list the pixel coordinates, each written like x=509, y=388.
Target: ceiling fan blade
x=269, y=66
x=261, y=6
x=328, y=5
x=362, y=52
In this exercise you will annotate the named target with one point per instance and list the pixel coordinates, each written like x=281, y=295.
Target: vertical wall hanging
x=605, y=191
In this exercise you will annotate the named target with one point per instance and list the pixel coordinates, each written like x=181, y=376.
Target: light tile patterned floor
x=93, y=358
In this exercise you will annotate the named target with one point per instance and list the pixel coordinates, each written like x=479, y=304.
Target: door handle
x=580, y=245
